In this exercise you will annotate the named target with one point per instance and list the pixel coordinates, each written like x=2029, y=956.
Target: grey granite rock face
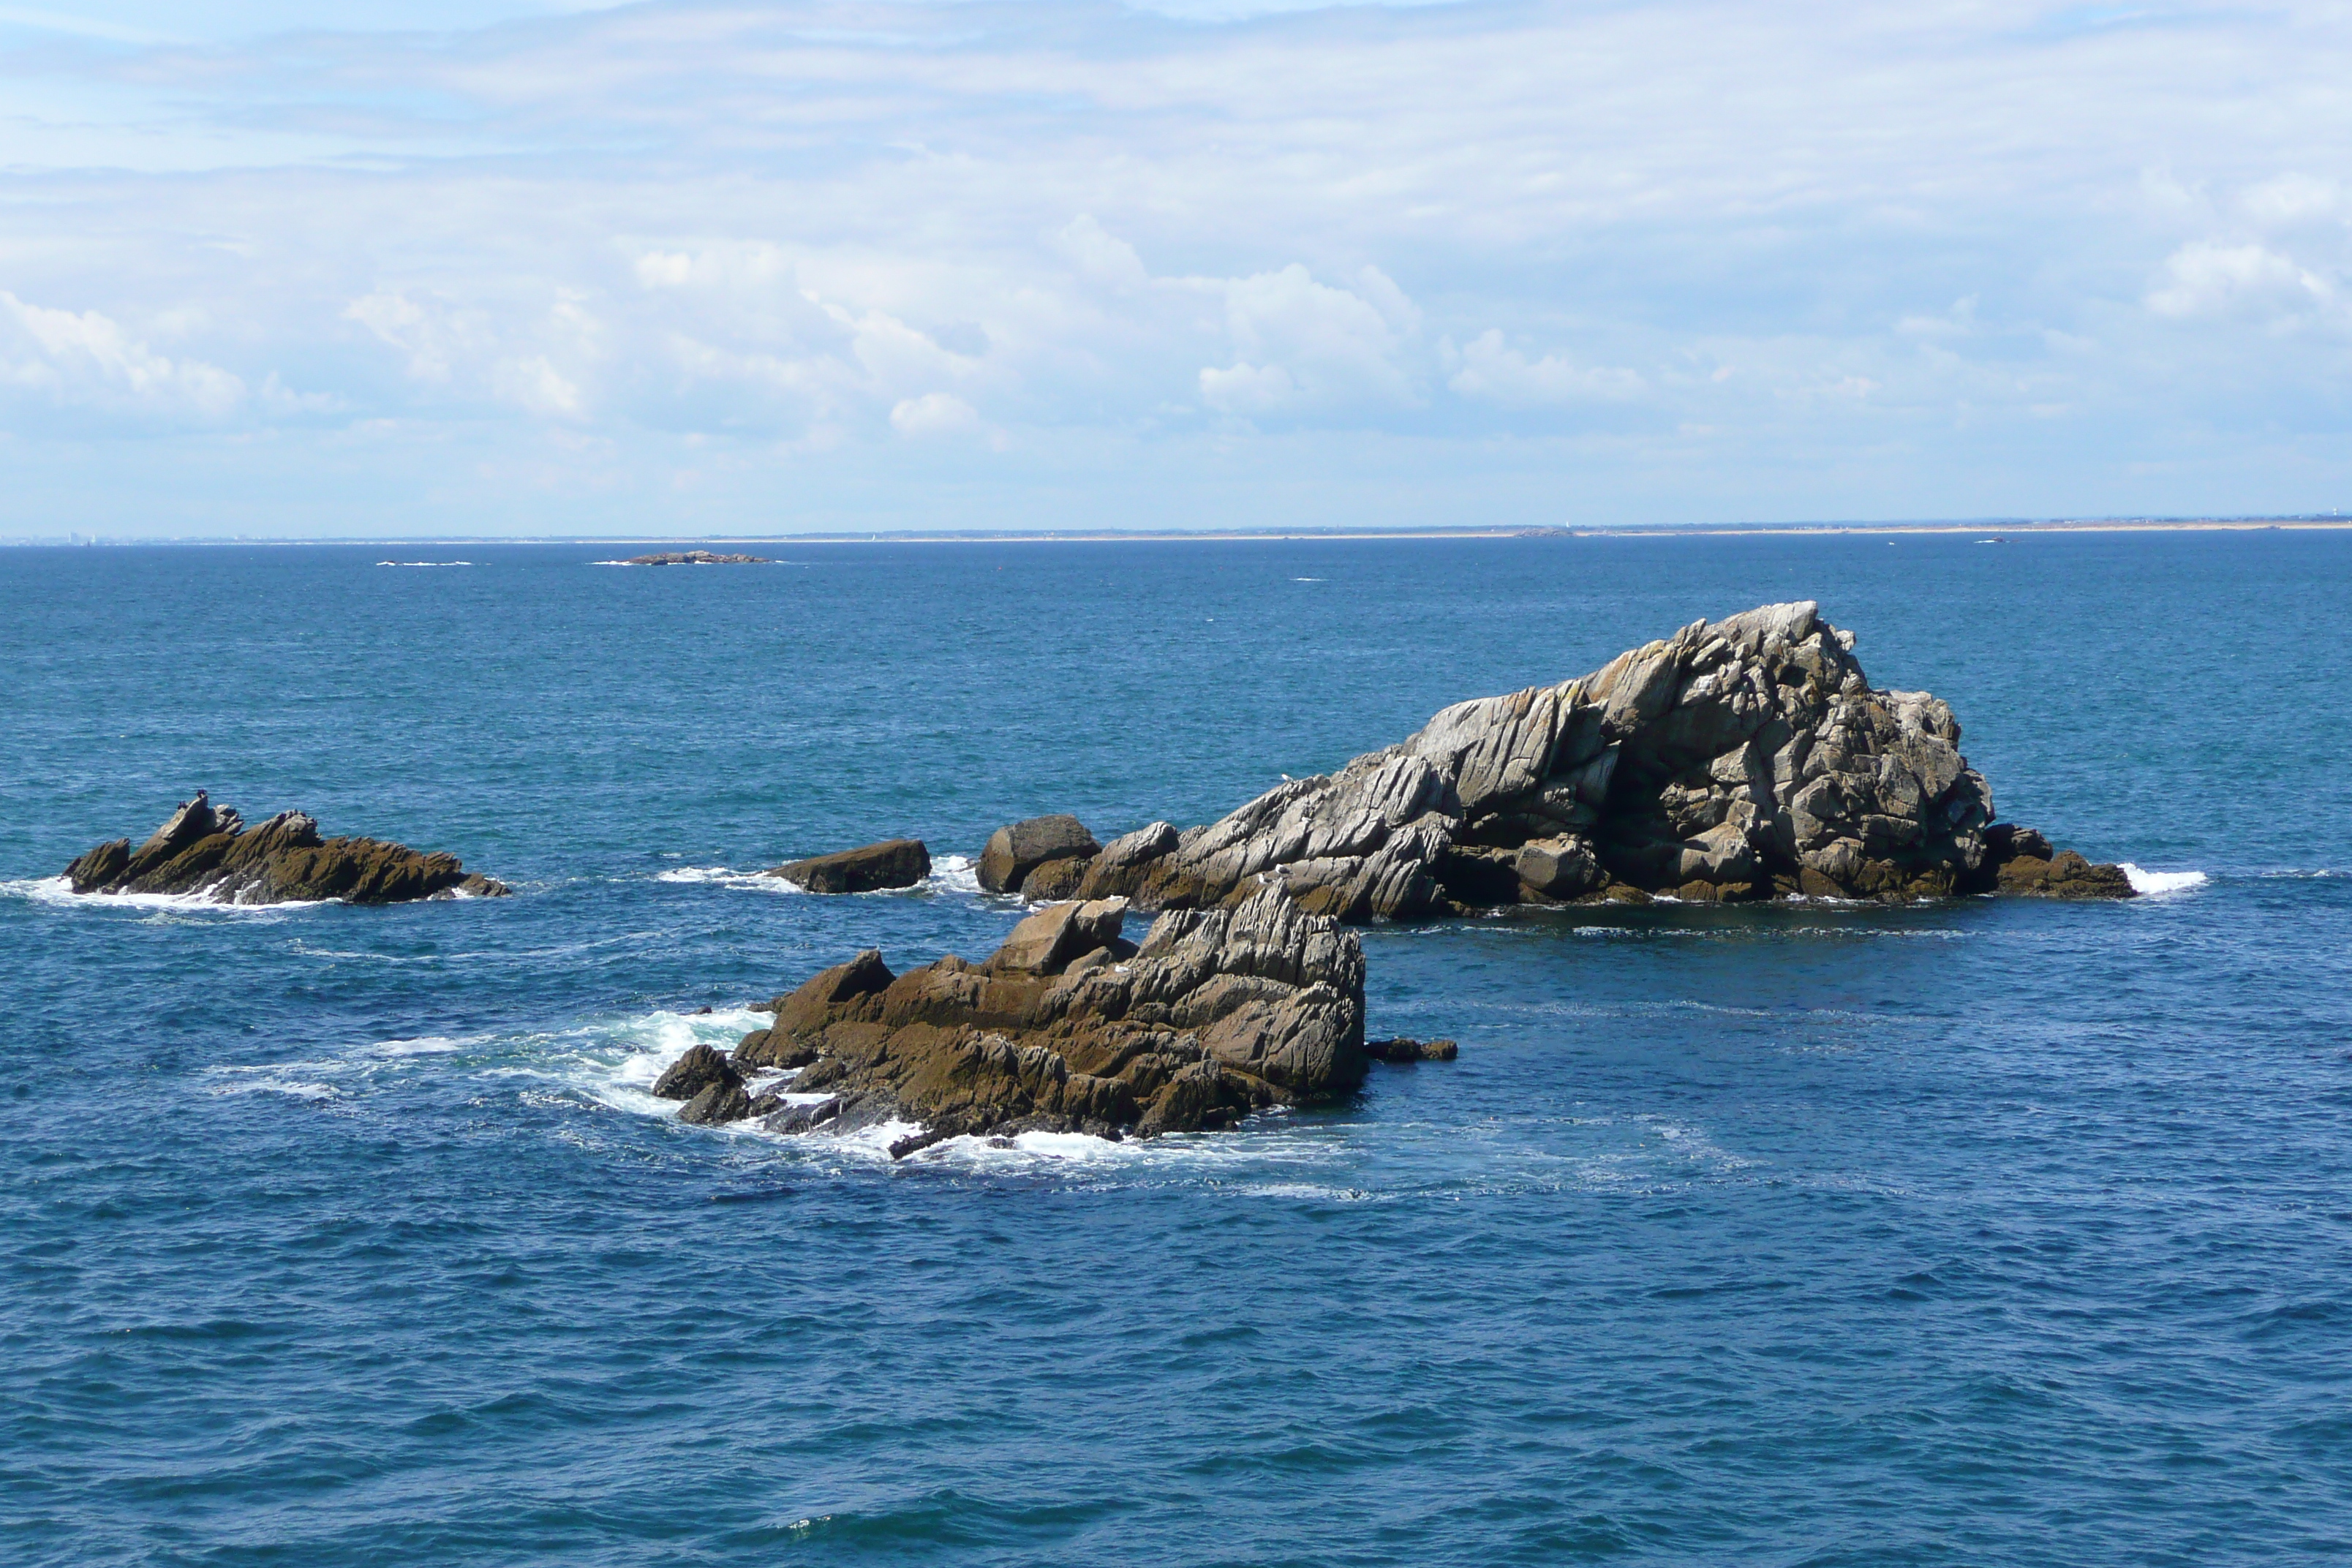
x=1744, y=758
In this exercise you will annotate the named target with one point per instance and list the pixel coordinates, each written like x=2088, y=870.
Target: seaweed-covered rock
x=207, y=849
x=893, y=863
x=1068, y=1028
x=1746, y=758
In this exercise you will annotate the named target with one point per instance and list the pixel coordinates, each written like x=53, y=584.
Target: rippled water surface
x=1981, y=1232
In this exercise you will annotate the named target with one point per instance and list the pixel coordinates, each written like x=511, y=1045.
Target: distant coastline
x=1985, y=526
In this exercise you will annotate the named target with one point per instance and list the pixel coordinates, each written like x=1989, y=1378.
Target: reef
x=1065, y=1027
x=696, y=558
x=1742, y=758
x=206, y=849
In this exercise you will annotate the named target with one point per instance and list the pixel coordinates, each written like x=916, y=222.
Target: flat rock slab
x=870, y=868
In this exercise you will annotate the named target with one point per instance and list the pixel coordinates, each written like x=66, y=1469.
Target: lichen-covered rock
x=1739, y=759
x=207, y=849
x=870, y=868
x=1069, y=1028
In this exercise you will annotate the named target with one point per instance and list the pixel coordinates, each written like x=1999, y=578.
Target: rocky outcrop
x=1746, y=758
x=1403, y=1048
x=207, y=849
x=1015, y=854
x=894, y=863
x=1067, y=1026
x=696, y=557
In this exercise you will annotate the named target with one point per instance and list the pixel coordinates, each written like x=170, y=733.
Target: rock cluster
x=696, y=557
x=894, y=863
x=1067, y=1027
x=1746, y=758
x=208, y=849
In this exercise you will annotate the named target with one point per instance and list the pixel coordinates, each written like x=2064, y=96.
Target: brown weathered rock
x=692, y=1073
x=1744, y=758
x=1404, y=1048
x=206, y=849
x=2067, y=876
x=1218, y=1013
x=893, y=863
x=1055, y=879
x=1014, y=851
x=719, y=1102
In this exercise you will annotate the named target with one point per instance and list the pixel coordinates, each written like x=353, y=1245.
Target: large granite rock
x=1069, y=1028
x=894, y=863
x=207, y=849
x=1012, y=853
x=1739, y=759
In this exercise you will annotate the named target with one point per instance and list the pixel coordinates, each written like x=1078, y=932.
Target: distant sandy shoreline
x=2001, y=531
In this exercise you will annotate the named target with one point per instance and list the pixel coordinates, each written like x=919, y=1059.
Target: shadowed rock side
x=894, y=863
x=1741, y=759
x=205, y=849
x=1067, y=1028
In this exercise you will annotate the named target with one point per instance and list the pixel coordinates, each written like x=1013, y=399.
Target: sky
x=343, y=269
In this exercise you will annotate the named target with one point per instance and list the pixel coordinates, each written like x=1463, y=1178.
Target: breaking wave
x=2156, y=883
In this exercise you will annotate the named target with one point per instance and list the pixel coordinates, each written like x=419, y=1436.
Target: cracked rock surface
x=1068, y=1028
x=1746, y=758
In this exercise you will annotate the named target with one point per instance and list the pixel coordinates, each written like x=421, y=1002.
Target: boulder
x=1013, y=852
x=1055, y=879
x=718, y=1103
x=1068, y=1028
x=208, y=850
x=893, y=863
x=1745, y=758
x=697, y=1070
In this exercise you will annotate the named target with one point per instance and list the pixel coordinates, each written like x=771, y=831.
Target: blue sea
x=1968, y=1233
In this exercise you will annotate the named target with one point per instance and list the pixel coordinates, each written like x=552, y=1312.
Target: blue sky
x=348, y=269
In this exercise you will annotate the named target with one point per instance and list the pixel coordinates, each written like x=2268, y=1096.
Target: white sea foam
x=58, y=893
x=726, y=876
x=424, y=564
x=2158, y=882
x=950, y=874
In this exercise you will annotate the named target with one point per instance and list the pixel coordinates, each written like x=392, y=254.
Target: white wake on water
x=2155, y=883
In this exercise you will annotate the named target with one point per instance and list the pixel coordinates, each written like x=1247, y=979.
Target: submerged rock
x=1404, y=1048
x=1747, y=758
x=1068, y=1028
x=207, y=849
x=893, y=863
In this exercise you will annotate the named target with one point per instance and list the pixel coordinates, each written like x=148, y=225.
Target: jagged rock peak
x=1743, y=758
x=203, y=849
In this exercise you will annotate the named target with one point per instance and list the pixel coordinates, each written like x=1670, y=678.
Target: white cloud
x=934, y=414
x=2204, y=278
x=1304, y=345
x=1168, y=258
x=87, y=359
x=1491, y=370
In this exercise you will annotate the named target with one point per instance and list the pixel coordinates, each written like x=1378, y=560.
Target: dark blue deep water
x=1974, y=1233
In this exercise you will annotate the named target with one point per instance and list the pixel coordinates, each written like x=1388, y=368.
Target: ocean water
x=1972, y=1232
